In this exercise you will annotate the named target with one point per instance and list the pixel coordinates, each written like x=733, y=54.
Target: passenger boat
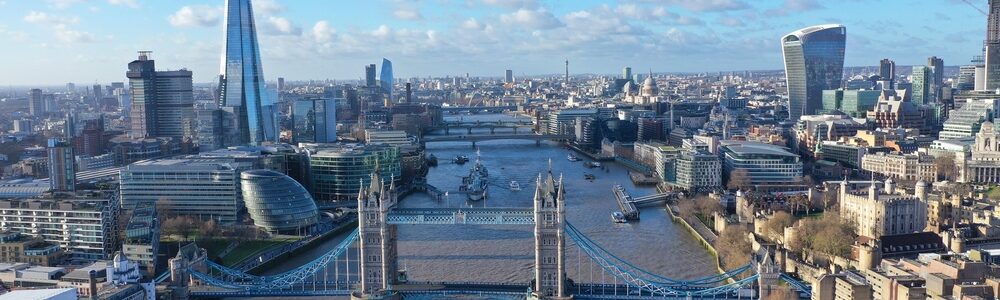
x=461, y=159
x=618, y=217
x=572, y=157
x=589, y=176
x=514, y=186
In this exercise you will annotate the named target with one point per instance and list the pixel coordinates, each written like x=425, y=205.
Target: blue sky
x=86, y=41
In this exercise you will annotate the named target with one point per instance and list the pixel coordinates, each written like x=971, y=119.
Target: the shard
x=242, y=88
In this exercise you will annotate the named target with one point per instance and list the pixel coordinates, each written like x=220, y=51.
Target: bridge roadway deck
x=486, y=137
x=625, y=203
x=579, y=291
x=470, y=216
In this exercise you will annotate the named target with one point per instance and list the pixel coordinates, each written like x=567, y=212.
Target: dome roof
x=649, y=86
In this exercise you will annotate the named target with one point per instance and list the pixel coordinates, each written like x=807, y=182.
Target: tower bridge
x=364, y=265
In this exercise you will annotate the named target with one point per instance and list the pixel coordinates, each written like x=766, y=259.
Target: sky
x=91, y=41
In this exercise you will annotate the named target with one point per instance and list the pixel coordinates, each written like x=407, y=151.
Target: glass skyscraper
x=242, y=83
x=386, y=77
x=814, y=61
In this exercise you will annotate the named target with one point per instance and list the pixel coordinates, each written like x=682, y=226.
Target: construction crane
x=976, y=7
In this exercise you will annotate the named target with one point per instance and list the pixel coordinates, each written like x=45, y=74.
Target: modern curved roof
x=804, y=31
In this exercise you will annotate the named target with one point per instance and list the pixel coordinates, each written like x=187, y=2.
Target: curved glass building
x=241, y=84
x=386, y=77
x=814, y=61
x=337, y=172
x=277, y=202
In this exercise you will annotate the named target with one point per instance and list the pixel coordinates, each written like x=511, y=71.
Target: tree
x=739, y=179
x=778, y=222
x=706, y=206
x=830, y=235
x=183, y=226
x=733, y=247
x=946, y=168
x=686, y=208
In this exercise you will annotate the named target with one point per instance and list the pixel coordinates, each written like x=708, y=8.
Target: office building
x=887, y=71
x=814, y=61
x=922, y=85
x=16, y=247
x=162, y=101
x=812, y=130
x=966, y=120
x=848, y=155
x=370, y=76
x=337, y=172
x=765, y=164
x=854, y=103
x=627, y=73
x=991, y=70
x=385, y=78
x=397, y=138
x=142, y=237
x=882, y=211
x=62, y=166
x=841, y=286
x=314, y=121
x=937, y=80
x=205, y=188
x=966, y=78
x=897, y=112
x=85, y=224
x=911, y=167
x=698, y=170
x=508, y=76
x=23, y=126
x=36, y=102
x=241, y=84
x=564, y=121
x=277, y=203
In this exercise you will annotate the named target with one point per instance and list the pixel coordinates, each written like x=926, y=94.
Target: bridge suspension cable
x=656, y=284
x=236, y=279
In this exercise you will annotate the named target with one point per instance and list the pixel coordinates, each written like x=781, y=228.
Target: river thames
x=465, y=253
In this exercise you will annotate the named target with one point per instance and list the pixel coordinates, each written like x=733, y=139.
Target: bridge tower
x=376, y=240
x=550, y=244
x=769, y=272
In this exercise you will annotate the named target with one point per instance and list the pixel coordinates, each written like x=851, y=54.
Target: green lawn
x=215, y=246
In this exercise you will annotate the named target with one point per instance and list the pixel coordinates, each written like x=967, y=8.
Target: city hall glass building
x=814, y=61
x=277, y=202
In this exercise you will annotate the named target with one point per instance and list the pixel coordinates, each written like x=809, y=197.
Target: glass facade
x=277, y=202
x=338, y=172
x=315, y=121
x=814, y=61
x=242, y=83
x=921, y=85
x=386, y=77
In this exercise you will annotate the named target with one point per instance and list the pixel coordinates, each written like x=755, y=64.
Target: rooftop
x=742, y=147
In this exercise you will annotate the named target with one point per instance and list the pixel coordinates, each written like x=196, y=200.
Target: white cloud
x=280, y=26
x=128, y=3
x=408, y=14
x=322, y=32
x=60, y=4
x=514, y=4
x=531, y=19
x=197, y=15
x=268, y=7
x=68, y=35
x=46, y=18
